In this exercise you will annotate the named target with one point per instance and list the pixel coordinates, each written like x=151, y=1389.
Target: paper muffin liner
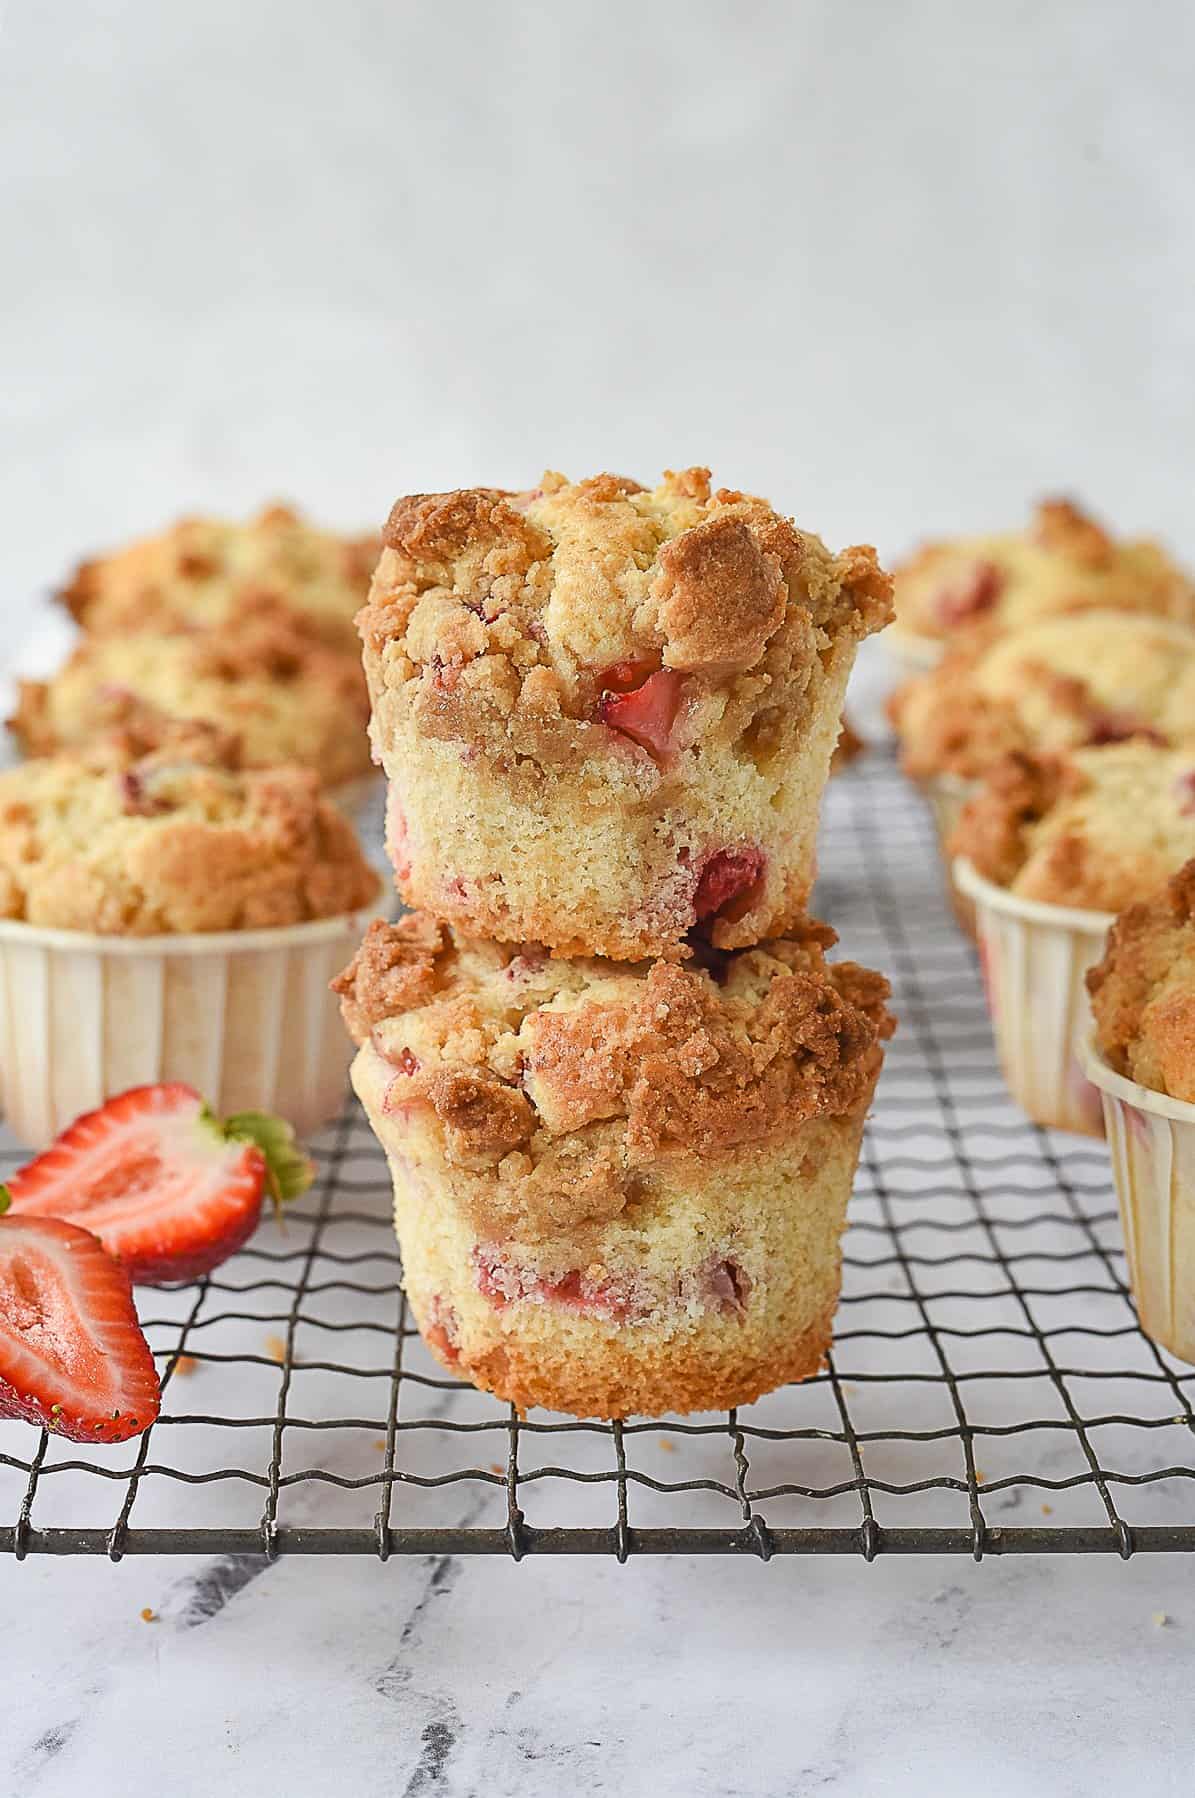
x=1152, y=1141
x=947, y=794
x=244, y=1016
x=1034, y=958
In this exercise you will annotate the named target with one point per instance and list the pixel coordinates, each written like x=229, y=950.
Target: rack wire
x=989, y=1390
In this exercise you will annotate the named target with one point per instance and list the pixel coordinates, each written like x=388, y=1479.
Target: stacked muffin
x=619, y=1086
x=1055, y=739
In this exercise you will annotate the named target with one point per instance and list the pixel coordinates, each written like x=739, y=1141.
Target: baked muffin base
x=718, y=1284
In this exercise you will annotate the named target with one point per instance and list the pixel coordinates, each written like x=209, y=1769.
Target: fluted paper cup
x=947, y=795
x=245, y=1016
x=1152, y=1141
x=1035, y=957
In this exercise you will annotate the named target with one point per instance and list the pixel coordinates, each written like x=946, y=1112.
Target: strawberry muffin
x=1064, y=562
x=1062, y=683
x=123, y=838
x=1143, y=991
x=168, y=916
x=208, y=571
x=1049, y=849
x=607, y=714
x=1094, y=830
x=283, y=694
x=618, y=1187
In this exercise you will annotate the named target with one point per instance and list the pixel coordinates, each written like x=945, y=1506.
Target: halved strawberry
x=645, y=712
x=167, y=1188
x=72, y=1355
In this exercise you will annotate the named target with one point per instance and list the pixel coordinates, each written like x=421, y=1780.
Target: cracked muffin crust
x=1143, y=991
x=1063, y=562
x=210, y=571
x=125, y=838
x=281, y=692
x=1096, y=828
x=618, y=1187
x=607, y=714
x=1101, y=677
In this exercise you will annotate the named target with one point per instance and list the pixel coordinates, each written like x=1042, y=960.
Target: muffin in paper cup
x=1035, y=958
x=244, y=1016
x=1152, y=1141
x=166, y=915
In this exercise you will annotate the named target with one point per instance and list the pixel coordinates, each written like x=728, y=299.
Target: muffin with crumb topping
x=211, y=571
x=1064, y=562
x=285, y=695
x=607, y=714
x=117, y=840
x=1061, y=683
x=618, y=1187
x=168, y=915
x=1050, y=848
x=1095, y=829
x=1143, y=990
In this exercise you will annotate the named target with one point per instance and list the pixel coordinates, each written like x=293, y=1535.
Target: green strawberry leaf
x=5, y=1198
x=289, y=1172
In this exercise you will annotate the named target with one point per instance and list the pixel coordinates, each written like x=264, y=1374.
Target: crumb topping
x=567, y=1075
x=210, y=571
x=503, y=618
x=1102, y=677
x=1095, y=828
x=1143, y=991
x=1063, y=562
x=283, y=693
x=133, y=836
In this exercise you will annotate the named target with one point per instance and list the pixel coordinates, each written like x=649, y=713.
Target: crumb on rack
x=1161, y=1619
x=495, y=1467
x=380, y=1444
x=186, y=1364
x=1047, y=1510
x=276, y=1349
x=668, y=1447
x=148, y=1615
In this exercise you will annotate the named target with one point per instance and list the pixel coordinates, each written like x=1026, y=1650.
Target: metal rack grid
x=989, y=1390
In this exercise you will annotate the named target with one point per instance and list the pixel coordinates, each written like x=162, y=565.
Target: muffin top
x=1101, y=677
x=1096, y=828
x=284, y=694
x=1064, y=562
x=211, y=571
x=1143, y=991
x=513, y=1051
x=122, y=838
x=533, y=620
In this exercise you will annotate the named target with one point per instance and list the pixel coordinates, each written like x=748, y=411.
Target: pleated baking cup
x=947, y=794
x=245, y=1016
x=1034, y=958
x=1152, y=1141
x=913, y=653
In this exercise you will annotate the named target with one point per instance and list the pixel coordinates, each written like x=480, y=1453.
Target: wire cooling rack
x=989, y=1390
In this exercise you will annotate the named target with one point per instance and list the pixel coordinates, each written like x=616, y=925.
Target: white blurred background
x=898, y=266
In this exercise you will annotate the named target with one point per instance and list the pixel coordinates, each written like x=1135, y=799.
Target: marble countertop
x=459, y=1677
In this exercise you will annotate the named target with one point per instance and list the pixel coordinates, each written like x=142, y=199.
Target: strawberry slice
x=72, y=1356
x=167, y=1188
x=645, y=712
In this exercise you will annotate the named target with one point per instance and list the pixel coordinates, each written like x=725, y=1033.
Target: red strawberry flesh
x=72, y=1355
x=154, y=1179
x=646, y=712
x=729, y=874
